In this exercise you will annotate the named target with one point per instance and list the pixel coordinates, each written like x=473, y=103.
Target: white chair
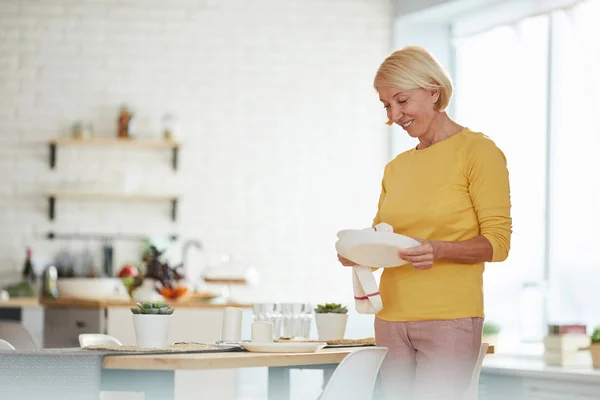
x=97, y=339
x=473, y=391
x=50, y=374
x=4, y=345
x=17, y=335
x=354, y=378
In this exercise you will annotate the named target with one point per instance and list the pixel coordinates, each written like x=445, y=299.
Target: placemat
x=183, y=347
x=336, y=343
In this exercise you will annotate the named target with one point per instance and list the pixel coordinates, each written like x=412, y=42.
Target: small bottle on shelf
x=28, y=271
x=125, y=123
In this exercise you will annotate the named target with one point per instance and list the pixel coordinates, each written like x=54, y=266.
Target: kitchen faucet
x=184, y=250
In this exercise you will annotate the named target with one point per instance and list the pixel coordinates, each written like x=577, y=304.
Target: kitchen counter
x=66, y=302
x=526, y=378
x=536, y=368
x=20, y=302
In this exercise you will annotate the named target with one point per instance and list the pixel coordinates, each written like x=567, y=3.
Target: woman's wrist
x=475, y=250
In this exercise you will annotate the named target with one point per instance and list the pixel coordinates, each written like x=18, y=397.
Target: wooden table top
x=229, y=360
x=225, y=360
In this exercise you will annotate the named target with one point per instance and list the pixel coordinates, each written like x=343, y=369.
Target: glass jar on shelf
x=169, y=121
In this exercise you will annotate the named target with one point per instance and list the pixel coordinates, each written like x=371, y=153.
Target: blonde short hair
x=414, y=67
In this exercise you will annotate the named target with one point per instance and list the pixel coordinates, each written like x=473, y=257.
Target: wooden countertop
x=20, y=302
x=224, y=360
x=66, y=302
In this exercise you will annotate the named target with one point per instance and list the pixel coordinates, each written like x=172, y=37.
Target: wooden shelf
x=114, y=142
x=83, y=195
x=226, y=281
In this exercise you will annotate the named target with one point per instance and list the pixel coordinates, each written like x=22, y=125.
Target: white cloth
x=366, y=292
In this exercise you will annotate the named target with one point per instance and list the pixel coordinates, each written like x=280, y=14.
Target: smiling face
x=413, y=110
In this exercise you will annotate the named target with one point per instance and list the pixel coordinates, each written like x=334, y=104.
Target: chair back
x=97, y=339
x=17, y=335
x=473, y=390
x=4, y=345
x=354, y=378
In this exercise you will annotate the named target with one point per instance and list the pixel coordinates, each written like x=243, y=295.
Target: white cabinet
x=545, y=389
x=32, y=319
x=62, y=326
x=522, y=386
x=499, y=387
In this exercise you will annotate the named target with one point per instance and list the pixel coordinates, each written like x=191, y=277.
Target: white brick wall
x=283, y=137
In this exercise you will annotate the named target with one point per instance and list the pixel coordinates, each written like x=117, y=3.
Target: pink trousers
x=428, y=359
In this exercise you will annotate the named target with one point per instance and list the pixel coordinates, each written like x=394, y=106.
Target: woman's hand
x=421, y=257
x=345, y=262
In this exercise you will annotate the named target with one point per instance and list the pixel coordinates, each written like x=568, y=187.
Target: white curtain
x=575, y=170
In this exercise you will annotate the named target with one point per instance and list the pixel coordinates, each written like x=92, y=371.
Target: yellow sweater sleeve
x=490, y=194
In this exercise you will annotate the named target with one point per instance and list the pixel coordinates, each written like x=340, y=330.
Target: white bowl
x=373, y=248
x=92, y=288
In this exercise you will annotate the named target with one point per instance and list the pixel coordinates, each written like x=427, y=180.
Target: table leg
x=327, y=373
x=279, y=383
x=156, y=385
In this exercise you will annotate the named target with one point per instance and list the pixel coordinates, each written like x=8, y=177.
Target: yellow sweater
x=454, y=190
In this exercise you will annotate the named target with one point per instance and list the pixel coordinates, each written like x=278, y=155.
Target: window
x=533, y=87
x=501, y=90
x=574, y=183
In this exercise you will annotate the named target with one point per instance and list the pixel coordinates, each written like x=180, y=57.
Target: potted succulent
x=151, y=321
x=490, y=333
x=595, y=347
x=331, y=321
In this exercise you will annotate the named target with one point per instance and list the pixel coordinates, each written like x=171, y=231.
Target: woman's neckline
x=449, y=138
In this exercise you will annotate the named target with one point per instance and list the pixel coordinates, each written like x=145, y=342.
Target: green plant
x=330, y=308
x=596, y=335
x=490, y=328
x=149, y=307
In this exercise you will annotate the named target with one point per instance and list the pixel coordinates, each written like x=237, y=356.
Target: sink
x=92, y=288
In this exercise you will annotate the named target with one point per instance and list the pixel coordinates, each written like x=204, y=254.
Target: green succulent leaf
x=153, y=308
x=331, y=308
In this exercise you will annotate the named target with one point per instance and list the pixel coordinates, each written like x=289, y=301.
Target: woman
x=451, y=192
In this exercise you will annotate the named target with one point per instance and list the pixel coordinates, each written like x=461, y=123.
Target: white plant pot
x=331, y=326
x=151, y=330
x=491, y=339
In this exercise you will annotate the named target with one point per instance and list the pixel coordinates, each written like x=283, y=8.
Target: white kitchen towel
x=366, y=292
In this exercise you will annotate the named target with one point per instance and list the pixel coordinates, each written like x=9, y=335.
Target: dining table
x=83, y=373
x=155, y=374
